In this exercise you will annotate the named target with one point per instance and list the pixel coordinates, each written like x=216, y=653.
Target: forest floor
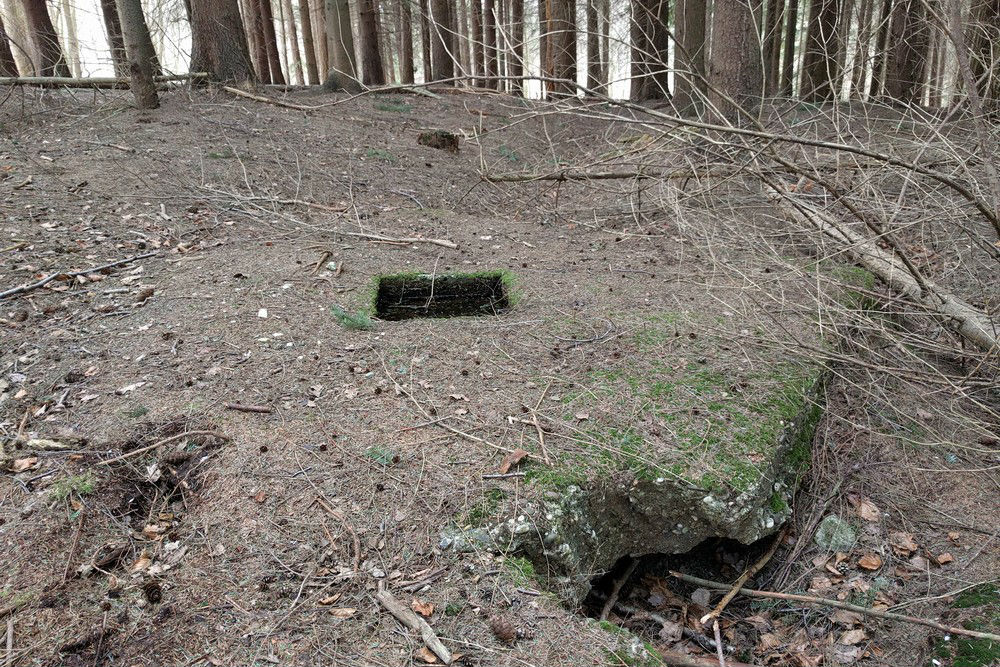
x=263, y=537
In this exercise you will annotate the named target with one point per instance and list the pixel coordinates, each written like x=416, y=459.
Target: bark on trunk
x=819, y=64
x=308, y=46
x=881, y=45
x=560, y=19
x=772, y=44
x=735, y=70
x=593, y=47
x=650, y=43
x=425, y=38
x=689, y=86
x=8, y=66
x=373, y=71
x=72, y=43
x=477, y=51
x=791, y=37
x=218, y=43
x=442, y=41
x=140, y=67
x=406, y=41
x=983, y=43
x=340, y=38
x=50, y=58
x=320, y=39
x=270, y=41
x=863, y=51
x=255, y=39
x=490, y=43
x=907, y=55
x=605, y=19
x=517, y=37
x=116, y=41
x=292, y=32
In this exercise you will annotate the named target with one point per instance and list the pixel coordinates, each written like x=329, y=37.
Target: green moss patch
x=983, y=603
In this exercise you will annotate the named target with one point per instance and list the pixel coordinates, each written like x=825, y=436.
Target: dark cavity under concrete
x=403, y=297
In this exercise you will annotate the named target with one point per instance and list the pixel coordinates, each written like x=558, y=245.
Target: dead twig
x=239, y=407
x=339, y=516
x=72, y=549
x=407, y=617
x=808, y=599
x=751, y=571
x=23, y=289
x=165, y=441
x=444, y=243
x=617, y=589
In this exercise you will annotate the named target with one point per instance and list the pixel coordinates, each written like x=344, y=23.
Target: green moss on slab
x=485, y=508
x=983, y=602
x=521, y=570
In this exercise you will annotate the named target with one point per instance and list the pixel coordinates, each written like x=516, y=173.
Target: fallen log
x=970, y=323
x=91, y=82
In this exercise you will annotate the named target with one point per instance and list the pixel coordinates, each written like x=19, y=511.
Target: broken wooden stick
x=91, y=82
x=808, y=599
x=23, y=289
x=165, y=441
x=967, y=321
x=270, y=100
x=617, y=589
x=407, y=617
x=444, y=243
x=239, y=407
x=751, y=571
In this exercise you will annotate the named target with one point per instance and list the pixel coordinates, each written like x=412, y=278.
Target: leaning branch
x=968, y=322
x=867, y=611
x=23, y=289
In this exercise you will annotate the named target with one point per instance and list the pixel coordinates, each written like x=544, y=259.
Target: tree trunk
x=72, y=43
x=425, y=38
x=593, y=47
x=116, y=41
x=308, y=46
x=442, y=41
x=983, y=44
x=405, y=41
x=293, y=39
x=270, y=41
x=517, y=55
x=605, y=19
x=340, y=38
x=772, y=44
x=255, y=39
x=140, y=68
x=477, y=51
x=791, y=37
x=51, y=61
x=863, y=48
x=218, y=43
x=382, y=24
x=906, y=56
x=690, y=85
x=490, y=43
x=881, y=48
x=8, y=66
x=560, y=21
x=373, y=71
x=320, y=39
x=819, y=64
x=735, y=71
x=650, y=44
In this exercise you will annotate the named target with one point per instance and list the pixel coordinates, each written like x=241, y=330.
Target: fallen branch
x=808, y=599
x=271, y=100
x=407, y=617
x=968, y=322
x=165, y=441
x=752, y=570
x=617, y=589
x=23, y=289
x=339, y=516
x=239, y=407
x=444, y=243
x=91, y=82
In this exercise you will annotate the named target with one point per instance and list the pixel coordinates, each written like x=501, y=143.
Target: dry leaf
x=424, y=654
x=331, y=599
x=671, y=632
x=343, y=612
x=769, y=641
x=953, y=536
x=582, y=416
x=511, y=460
x=847, y=618
x=870, y=562
x=423, y=608
x=154, y=531
x=945, y=558
x=20, y=465
x=142, y=562
x=852, y=637
x=902, y=543
x=869, y=511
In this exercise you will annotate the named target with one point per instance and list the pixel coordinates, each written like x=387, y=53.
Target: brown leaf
x=869, y=511
x=671, y=632
x=953, y=536
x=20, y=465
x=945, y=558
x=330, y=600
x=852, y=637
x=424, y=654
x=343, y=612
x=902, y=543
x=423, y=608
x=870, y=562
x=847, y=618
x=142, y=562
x=512, y=459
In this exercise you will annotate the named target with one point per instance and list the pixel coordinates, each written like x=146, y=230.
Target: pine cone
x=503, y=629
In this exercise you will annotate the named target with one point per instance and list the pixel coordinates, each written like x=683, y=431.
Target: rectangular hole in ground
x=447, y=295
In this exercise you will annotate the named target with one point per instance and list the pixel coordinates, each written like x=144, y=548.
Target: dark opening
x=447, y=295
